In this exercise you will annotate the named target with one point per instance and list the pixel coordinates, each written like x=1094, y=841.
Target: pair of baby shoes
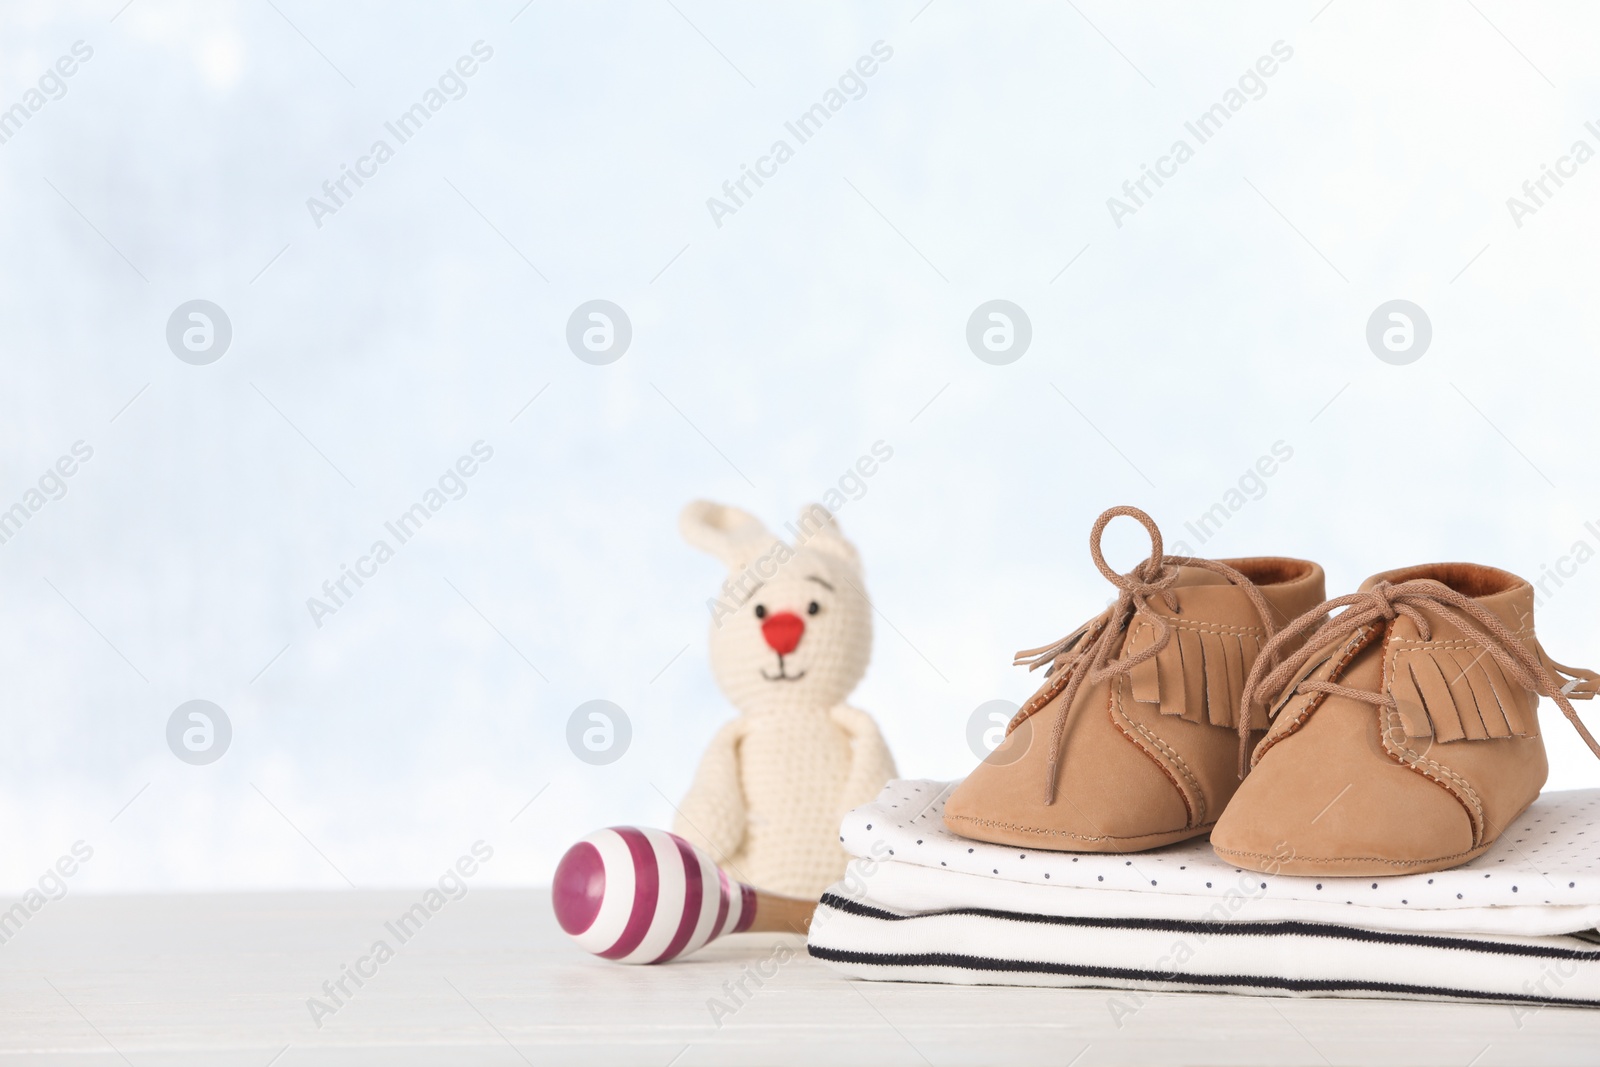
x=1396, y=736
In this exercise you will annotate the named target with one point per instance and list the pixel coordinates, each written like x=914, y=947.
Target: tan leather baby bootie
x=1404, y=735
x=1131, y=742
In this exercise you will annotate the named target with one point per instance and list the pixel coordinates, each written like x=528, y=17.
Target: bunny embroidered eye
x=761, y=611
x=813, y=607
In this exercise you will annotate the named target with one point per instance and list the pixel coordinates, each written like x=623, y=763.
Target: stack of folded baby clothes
x=920, y=904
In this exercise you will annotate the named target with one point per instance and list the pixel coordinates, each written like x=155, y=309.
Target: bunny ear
x=733, y=536
x=820, y=530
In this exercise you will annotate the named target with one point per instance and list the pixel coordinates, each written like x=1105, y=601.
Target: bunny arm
x=712, y=815
x=871, y=765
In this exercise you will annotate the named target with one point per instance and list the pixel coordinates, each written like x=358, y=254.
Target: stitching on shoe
x=1390, y=724
x=1179, y=623
x=1191, y=816
x=1450, y=643
x=1415, y=762
x=1455, y=858
x=1038, y=701
x=997, y=825
x=1360, y=641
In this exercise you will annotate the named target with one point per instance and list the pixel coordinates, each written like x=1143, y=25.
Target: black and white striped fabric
x=982, y=946
x=920, y=904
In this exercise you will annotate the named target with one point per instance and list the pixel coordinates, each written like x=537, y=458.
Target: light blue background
x=830, y=312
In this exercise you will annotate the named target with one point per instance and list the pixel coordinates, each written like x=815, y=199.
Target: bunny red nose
x=783, y=631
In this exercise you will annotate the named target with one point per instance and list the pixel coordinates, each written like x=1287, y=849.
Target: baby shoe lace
x=1387, y=601
x=1086, y=652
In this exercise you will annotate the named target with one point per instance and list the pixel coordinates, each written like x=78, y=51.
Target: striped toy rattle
x=637, y=895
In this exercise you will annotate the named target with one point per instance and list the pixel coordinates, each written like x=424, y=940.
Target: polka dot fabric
x=1550, y=856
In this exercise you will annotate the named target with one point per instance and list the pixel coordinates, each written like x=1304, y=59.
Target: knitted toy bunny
x=790, y=638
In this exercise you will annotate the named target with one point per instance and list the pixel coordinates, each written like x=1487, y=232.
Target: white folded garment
x=921, y=904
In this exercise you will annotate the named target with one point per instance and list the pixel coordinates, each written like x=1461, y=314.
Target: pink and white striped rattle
x=636, y=895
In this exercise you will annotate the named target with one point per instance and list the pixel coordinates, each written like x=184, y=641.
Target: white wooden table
x=224, y=980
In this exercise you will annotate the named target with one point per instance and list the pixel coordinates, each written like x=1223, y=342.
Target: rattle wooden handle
x=782, y=914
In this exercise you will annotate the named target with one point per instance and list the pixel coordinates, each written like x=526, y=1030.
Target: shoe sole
x=1346, y=866
x=997, y=833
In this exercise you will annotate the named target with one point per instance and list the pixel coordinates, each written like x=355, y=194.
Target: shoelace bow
x=1388, y=601
x=1091, y=645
